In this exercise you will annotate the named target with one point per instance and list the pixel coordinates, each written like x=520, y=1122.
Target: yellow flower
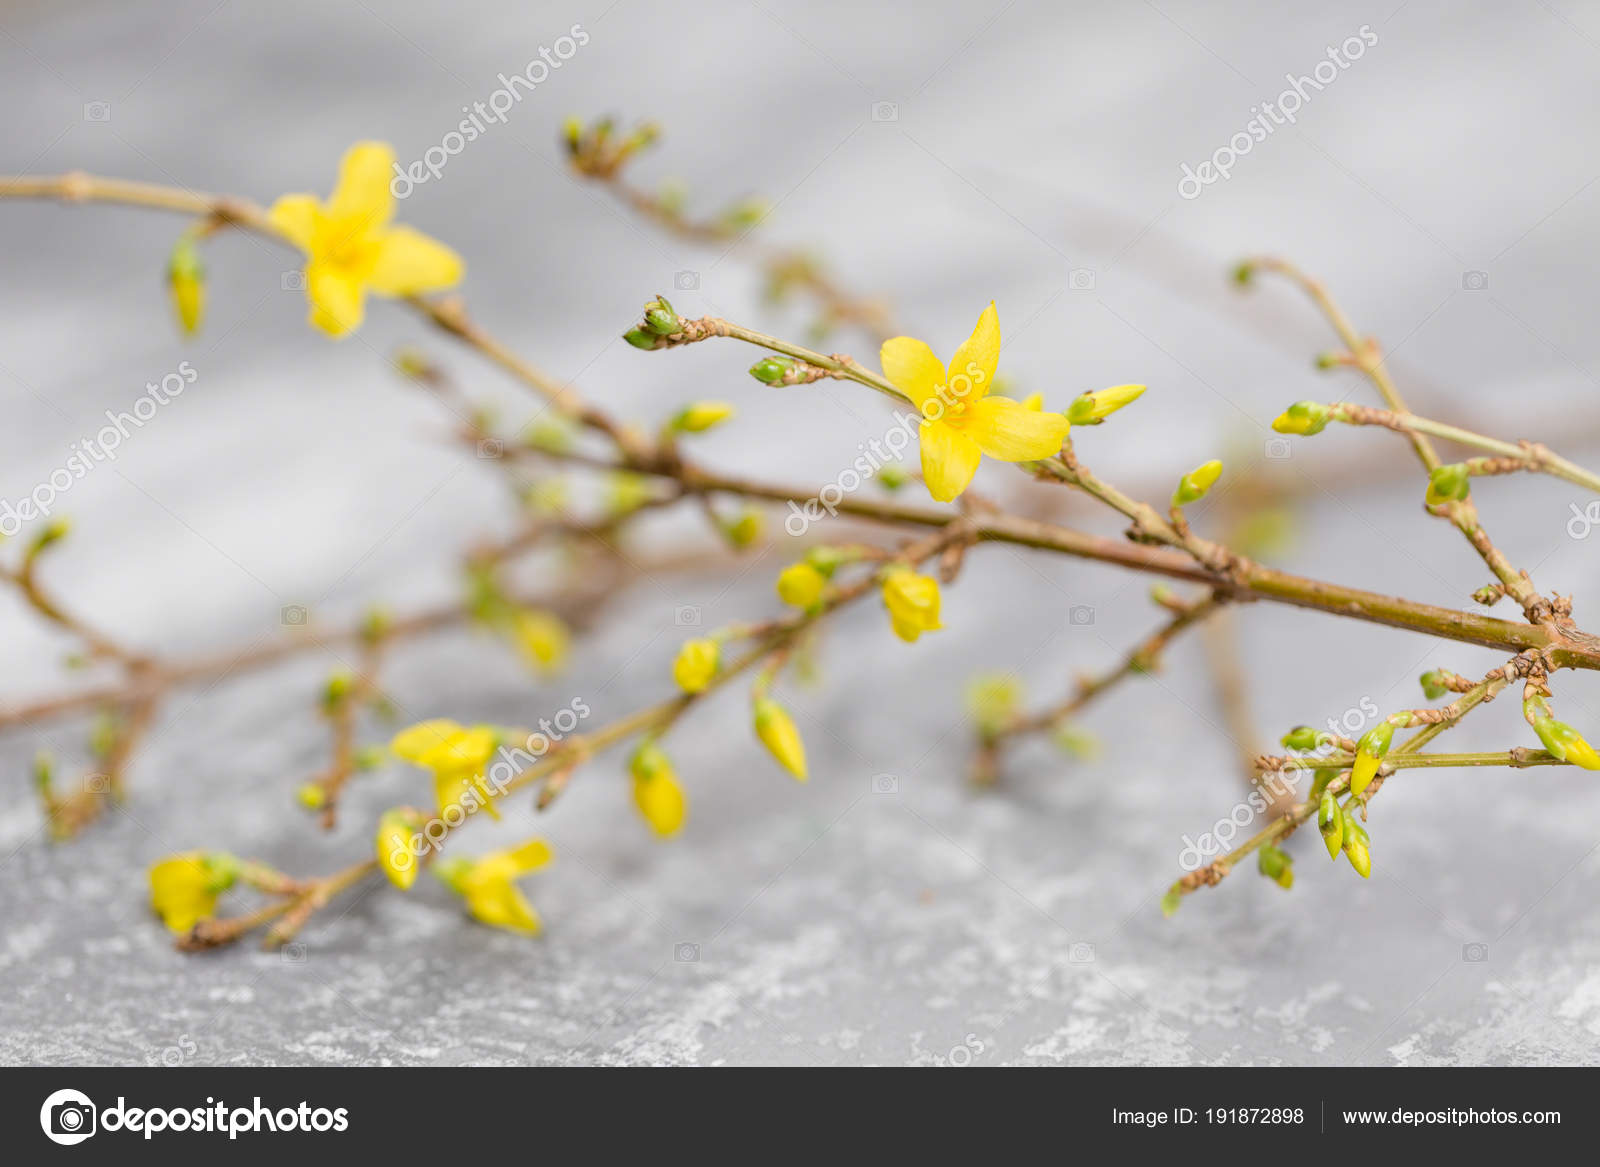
x=913, y=603
x=351, y=249
x=184, y=888
x=960, y=421
x=777, y=732
x=656, y=791
x=696, y=664
x=488, y=885
x=542, y=639
x=457, y=756
x=800, y=585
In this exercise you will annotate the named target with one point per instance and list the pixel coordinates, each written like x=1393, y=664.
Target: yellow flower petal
x=414, y=743
x=911, y=367
x=1012, y=432
x=337, y=298
x=362, y=201
x=500, y=905
x=949, y=459
x=297, y=215
x=409, y=262
x=973, y=367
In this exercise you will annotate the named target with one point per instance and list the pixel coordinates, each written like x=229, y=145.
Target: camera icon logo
x=686, y=616
x=686, y=281
x=293, y=615
x=1081, y=953
x=885, y=784
x=686, y=953
x=97, y=111
x=1080, y=279
x=1475, y=281
x=491, y=448
x=68, y=1117
x=1583, y=521
x=1475, y=953
x=1278, y=449
x=885, y=111
x=1080, y=615
x=97, y=783
x=293, y=953
x=293, y=281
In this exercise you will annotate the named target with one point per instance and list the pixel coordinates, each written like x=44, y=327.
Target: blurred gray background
x=939, y=155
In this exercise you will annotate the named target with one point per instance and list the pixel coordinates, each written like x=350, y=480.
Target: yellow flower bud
x=184, y=888
x=1192, y=487
x=993, y=701
x=696, y=664
x=1093, y=408
x=312, y=796
x=656, y=791
x=777, y=732
x=186, y=281
x=747, y=529
x=701, y=416
x=913, y=603
x=1303, y=417
x=800, y=585
x=392, y=846
x=542, y=639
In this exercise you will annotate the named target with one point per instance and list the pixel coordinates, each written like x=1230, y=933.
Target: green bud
x=338, y=688
x=1330, y=821
x=550, y=434
x=640, y=338
x=1192, y=487
x=771, y=370
x=648, y=761
x=825, y=559
x=1270, y=861
x=892, y=476
x=1077, y=743
x=44, y=766
x=572, y=134
x=1433, y=686
x=1449, y=483
x=1171, y=902
x=1489, y=595
x=1302, y=738
x=1244, y=273
x=371, y=757
x=659, y=317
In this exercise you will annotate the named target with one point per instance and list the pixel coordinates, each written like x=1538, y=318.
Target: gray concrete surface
x=834, y=924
